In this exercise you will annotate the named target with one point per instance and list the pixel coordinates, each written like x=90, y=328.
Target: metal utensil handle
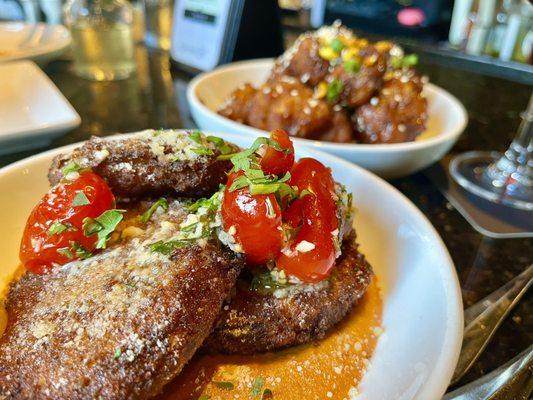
x=483, y=319
x=501, y=382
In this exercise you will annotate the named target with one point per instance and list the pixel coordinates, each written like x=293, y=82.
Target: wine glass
x=501, y=178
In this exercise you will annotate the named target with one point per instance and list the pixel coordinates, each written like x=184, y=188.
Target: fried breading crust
x=254, y=323
x=132, y=168
x=399, y=115
x=118, y=325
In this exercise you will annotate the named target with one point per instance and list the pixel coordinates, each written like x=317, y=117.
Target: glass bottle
x=102, y=38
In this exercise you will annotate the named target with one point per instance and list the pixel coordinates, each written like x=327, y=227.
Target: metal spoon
x=510, y=381
x=483, y=319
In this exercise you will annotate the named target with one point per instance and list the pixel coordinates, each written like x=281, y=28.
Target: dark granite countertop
x=155, y=98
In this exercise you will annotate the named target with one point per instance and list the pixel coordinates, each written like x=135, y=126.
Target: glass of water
x=102, y=38
x=158, y=23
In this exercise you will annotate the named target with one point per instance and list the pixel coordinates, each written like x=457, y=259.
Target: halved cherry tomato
x=256, y=220
x=312, y=254
x=40, y=247
x=276, y=162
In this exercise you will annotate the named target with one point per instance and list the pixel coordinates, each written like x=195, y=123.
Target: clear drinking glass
x=501, y=178
x=102, y=38
x=158, y=23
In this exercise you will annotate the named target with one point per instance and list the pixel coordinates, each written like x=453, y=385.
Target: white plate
x=38, y=42
x=422, y=316
x=447, y=120
x=32, y=109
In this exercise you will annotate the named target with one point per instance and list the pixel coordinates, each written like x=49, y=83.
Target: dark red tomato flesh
x=256, y=220
x=275, y=162
x=40, y=249
x=312, y=254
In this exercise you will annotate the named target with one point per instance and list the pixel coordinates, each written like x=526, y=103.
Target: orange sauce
x=331, y=368
x=4, y=288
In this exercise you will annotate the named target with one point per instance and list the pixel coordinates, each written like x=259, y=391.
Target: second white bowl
x=447, y=120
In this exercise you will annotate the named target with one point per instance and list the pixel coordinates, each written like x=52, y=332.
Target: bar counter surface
x=154, y=97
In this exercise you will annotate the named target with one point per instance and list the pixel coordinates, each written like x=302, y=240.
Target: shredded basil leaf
x=220, y=144
x=264, y=284
x=204, y=397
x=70, y=167
x=224, y=385
x=102, y=226
x=267, y=394
x=257, y=386
x=65, y=251
x=80, y=199
x=196, y=136
x=81, y=252
x=58, y=227
x=162, y=202
x=202, y=151
x=167, y=248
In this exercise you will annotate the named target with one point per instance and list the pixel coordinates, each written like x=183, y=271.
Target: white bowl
x=38, y=42
x=422, y=314
x=447, y=120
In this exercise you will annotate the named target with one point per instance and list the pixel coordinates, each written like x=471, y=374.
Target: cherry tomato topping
x=312, y=250
x=256, y=221
x=275, y=162
x=53, y=232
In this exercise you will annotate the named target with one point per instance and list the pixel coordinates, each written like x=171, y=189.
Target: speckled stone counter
x=155, y=97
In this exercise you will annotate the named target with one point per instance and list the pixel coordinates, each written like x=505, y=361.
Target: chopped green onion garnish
x=336, y=45
x=352, y=65
x=335, y=88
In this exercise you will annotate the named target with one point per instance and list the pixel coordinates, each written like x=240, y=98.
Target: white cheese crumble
x=304, y=246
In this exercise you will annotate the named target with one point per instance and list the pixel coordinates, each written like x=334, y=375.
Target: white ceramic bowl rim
x=267, y=62
x=441, y=372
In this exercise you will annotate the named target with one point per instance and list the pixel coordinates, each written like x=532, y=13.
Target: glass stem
x=516, y=165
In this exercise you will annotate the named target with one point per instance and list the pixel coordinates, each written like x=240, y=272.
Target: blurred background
x=491, y=36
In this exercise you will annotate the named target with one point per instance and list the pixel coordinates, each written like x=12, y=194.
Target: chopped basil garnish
x=70, y=167
x=80, y=199
x=196, y=136
x=162, y=202
x=202, y=151
x=224, y=385
x=167, y=248
x=75, y=249
x=257, y=386
x=102, y=226
x=267, y=394
x=204, y=397
x=81, y=252
x=264, y=284
x=335, y=88
x=58, y=227
x=220, y=144
x=65, y=251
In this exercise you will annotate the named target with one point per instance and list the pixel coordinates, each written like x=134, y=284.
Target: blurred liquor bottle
x=102, y=38
x=499, y=28
x=158, y=23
